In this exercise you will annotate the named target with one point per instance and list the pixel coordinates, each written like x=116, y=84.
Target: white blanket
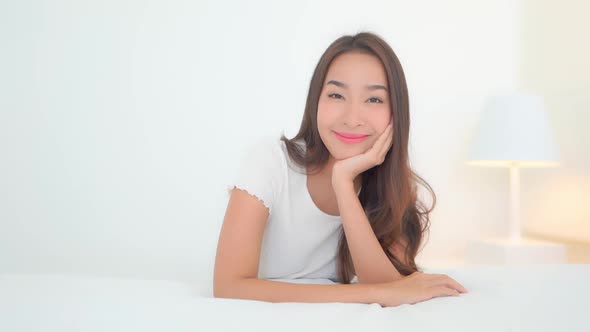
x=524, y=298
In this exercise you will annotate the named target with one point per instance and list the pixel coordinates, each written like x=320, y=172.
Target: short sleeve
x=260, y=171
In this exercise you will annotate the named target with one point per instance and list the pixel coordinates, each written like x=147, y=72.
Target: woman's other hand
x=416, y=287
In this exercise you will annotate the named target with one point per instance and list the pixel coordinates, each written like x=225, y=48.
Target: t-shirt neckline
x=308, y=195
x=310, y=200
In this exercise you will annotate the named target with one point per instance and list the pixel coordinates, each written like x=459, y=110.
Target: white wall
x=121, y=120
x=554, y=63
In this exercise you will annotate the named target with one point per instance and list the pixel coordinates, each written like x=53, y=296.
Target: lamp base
x=505, y=251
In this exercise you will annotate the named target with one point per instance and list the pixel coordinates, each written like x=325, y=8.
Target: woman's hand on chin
x=346, y=170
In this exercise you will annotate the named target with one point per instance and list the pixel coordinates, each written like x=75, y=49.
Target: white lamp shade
x=514, y=130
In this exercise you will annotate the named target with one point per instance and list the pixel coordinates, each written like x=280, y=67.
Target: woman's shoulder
x=268, y=154
x=289, y=163
x=269, y=146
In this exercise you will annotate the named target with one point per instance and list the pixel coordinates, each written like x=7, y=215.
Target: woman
x=336, y=201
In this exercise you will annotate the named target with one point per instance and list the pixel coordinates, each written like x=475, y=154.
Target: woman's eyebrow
x=368, y=87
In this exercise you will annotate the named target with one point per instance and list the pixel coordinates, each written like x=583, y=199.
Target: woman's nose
x=353, y=116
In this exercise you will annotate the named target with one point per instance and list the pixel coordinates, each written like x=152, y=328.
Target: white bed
x=523, y=298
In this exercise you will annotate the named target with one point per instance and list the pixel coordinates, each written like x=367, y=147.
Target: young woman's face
x=354, y=100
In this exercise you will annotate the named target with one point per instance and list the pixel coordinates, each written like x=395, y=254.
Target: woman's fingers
x=381, y=139
x=437, y=291
x=383, y=142
x=455, y=285
x=388, y=141
x=443, y=279
x=444, y=291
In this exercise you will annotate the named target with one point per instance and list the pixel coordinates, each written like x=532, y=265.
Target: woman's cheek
x=381, y=119
x=328, y=113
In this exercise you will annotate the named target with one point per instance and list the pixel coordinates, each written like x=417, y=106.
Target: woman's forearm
x=371, y=264
x=278, y=291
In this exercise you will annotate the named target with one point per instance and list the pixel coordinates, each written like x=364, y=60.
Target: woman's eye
x=334, y=94
x=338, y=96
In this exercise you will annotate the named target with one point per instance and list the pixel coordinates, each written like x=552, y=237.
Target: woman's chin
x=345, y=153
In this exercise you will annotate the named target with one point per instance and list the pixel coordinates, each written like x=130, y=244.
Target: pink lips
x=350, y=138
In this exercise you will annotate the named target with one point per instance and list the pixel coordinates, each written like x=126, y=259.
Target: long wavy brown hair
x=389, y=190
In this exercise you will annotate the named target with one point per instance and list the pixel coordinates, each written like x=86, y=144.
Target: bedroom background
x=121, y=121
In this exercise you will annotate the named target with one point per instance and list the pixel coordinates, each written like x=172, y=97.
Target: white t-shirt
x=300, y=240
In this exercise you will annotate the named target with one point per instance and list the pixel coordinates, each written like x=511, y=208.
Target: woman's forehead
x=357, y=70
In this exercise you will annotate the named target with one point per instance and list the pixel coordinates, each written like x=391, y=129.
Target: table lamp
x=514, y=132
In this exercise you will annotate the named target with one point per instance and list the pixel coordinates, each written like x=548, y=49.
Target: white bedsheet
x=524, y=298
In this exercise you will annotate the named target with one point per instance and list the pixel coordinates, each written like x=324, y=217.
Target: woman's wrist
x=341, y=185
x=378, y=292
